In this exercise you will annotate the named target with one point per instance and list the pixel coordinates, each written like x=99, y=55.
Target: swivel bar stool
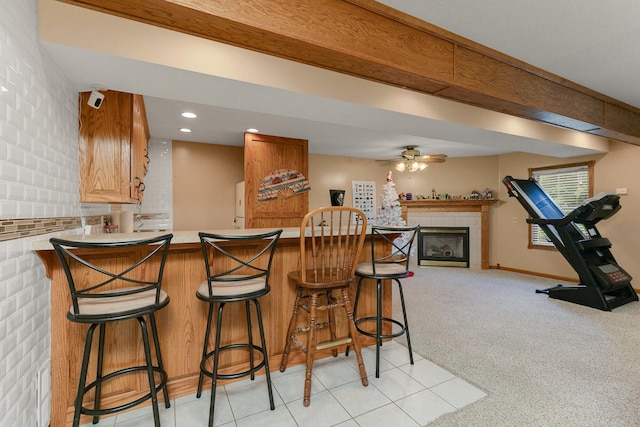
x=103, y=290
x=238, y=268
x=331, y=240
x=395, y=266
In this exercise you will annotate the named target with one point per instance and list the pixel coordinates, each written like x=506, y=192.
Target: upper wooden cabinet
x=263, y=155
x=113, y=148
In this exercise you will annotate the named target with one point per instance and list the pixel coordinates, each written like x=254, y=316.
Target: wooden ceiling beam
x=366, y=39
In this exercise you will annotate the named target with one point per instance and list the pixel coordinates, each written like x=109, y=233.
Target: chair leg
x=331, y=302
x=83, y=375
x=250, y=336
x=355, y=307
x=154, y=331
x=204, y=349
x=354, y=335
x=406, y=322
x=291, y=331
x=355, y=302
x=311, y=347
x=152, y=383
x=265, y=354
x=216, y=358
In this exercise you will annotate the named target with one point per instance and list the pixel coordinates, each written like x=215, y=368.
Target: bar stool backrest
x=224, y=268
x=401, y=247
x=331, y=239
x=94, y=280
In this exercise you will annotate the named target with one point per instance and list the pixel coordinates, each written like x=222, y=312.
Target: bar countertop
x=178, y=236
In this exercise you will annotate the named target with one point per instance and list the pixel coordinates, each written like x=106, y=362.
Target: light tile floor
x=404, y=395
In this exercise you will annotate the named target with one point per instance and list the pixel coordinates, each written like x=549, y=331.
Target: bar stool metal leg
x=83, y=375
x=379, y=319
x=378, y=324
x=204, y=349
x=250, y=335
x=265, y=356
x=154, y=330
x=96, y=404
x=216, y=360
x=152, y=385
x=406, y=322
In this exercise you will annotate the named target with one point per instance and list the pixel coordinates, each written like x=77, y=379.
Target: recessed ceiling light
x=189, y=115
x=253, y=130
x=185, y=130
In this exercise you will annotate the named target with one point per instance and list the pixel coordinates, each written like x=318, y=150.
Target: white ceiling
x=590, y=42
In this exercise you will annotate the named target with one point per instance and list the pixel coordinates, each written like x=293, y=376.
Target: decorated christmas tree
x=390, y=212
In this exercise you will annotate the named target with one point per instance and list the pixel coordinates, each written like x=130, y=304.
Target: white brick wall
x=38, y=178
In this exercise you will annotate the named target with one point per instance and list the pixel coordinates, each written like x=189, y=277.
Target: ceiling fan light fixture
x=411, y=166
x=411, y=160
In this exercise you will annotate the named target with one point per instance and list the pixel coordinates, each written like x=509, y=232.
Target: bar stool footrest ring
x=128, y=405
x=381, y=336
x=249, y=371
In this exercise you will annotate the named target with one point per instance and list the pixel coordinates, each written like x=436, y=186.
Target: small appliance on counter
x=238, y=221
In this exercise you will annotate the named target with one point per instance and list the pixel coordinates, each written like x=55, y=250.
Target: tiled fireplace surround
x=455, y=213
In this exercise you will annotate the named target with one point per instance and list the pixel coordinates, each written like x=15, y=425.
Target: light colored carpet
x=542, y=362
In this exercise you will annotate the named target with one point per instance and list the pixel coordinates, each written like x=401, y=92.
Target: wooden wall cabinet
x=264, y=154
x=113, y=147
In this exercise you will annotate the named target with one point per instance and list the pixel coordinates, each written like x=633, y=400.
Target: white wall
x=38, y=178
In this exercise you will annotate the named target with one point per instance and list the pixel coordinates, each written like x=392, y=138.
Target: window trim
x=590, y=167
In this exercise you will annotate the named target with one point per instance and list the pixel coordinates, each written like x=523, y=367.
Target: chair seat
x=387, y=269
x=319, y=280
x=119, y=304
x=232, y=288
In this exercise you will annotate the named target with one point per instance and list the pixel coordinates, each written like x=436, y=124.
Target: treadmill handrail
x=558, y=222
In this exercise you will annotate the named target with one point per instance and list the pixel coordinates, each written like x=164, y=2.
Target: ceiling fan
x=411, y=160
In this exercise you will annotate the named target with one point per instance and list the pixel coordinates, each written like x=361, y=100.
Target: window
x=568, y=186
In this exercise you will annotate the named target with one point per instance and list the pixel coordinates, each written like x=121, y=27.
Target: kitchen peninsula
x=181, y=325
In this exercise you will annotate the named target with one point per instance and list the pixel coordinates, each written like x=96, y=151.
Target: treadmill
x=603, y=283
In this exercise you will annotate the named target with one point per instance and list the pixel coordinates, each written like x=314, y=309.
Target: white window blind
x=567, y=186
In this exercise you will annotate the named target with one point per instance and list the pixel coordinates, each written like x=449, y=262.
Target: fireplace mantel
x=456, y=205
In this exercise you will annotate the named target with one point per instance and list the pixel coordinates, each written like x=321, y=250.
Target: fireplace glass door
x=443, y=246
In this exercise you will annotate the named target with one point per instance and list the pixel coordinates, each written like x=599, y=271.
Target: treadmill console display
x=613, y=273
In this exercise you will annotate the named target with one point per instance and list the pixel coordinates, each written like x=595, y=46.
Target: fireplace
x=443, y=246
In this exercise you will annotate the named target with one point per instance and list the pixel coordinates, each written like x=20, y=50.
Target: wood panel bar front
x=181, y=326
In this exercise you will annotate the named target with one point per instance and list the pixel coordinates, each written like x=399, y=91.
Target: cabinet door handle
x=139, y=184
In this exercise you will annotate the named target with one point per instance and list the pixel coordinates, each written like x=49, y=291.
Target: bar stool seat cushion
x=118, y=304
x=382, y=269
x=236, y=288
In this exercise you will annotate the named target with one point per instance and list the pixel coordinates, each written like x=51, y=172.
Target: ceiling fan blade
x=434, y=158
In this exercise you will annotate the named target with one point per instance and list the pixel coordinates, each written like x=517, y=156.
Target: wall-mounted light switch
x=621, y=191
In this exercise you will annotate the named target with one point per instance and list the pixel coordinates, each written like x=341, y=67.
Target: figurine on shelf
x=487, y=194
x=474, y=195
